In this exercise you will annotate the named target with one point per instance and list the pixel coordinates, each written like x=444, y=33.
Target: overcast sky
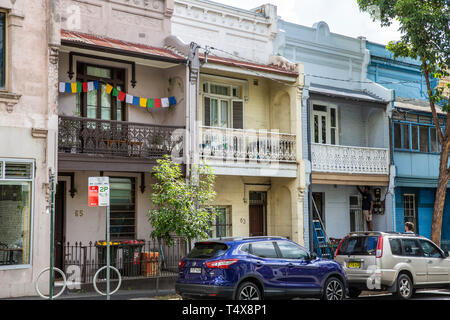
x=342, y=16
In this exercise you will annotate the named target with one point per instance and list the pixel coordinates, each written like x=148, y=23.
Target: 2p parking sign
x=98, y=191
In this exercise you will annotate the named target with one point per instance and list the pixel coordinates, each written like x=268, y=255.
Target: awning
x=249, y=65
x=345, y=93
x=416, y=105
x=88, y=41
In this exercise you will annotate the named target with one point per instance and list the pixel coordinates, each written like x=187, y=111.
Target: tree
x=181, y=207
x=424, y=25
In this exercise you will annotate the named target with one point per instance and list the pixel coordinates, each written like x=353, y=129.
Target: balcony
x=82, y=140
x=349, y=160
x=247, y=152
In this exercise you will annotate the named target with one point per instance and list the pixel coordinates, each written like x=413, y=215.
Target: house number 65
x=79, y=213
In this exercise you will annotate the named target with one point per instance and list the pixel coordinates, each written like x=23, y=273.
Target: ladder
x=320, y=236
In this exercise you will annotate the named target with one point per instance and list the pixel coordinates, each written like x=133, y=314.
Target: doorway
x=319, y=205
x=258, y=214
x=59, y=234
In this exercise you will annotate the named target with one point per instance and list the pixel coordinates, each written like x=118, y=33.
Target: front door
x=59, y=225
x=437, y=265
x=257, y=214
x=256, y=220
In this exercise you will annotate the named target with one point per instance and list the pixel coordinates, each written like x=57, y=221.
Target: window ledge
x=9, y=100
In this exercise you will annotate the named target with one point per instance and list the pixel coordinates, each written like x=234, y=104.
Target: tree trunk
x=441, y=190
x=439, y=202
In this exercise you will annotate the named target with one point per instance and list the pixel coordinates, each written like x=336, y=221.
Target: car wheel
x=248, y=291
x=334, y=289
x=405, y=288
x=354, y=292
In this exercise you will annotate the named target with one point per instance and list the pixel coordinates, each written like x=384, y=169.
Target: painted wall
x=146, y=22
x=337, y=210
x=27, y=104
x=283, y=217
x=151, y=83
x=243, y=33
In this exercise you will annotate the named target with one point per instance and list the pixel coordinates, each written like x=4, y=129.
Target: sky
x=342, y=16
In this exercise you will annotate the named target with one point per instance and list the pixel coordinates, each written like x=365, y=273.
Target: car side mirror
x=312, y=256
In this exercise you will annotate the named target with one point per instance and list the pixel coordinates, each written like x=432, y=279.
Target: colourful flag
x=62, y=87
x=157, y=103
x=108, y=88
x=90, y=85
x=150, y=103
x=135, y=101
x=85, y=87
x=172, y=101
x=143, y=102
x=129, y=98
x=165, y=102
x=121, y=96
x=79, y=87
x=115, y=92
x=96, y=84
x=68, y=87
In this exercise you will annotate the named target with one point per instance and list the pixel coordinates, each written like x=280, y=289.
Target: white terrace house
x=345, y=128
x=249, y=118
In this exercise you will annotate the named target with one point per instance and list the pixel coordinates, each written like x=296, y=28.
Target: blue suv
x=257, y=268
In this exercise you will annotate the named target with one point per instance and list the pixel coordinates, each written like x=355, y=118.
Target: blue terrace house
x=414, y=142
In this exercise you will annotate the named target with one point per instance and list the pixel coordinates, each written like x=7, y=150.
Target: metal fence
x=133, y=258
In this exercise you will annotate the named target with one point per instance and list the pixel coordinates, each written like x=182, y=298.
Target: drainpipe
x=308, y=136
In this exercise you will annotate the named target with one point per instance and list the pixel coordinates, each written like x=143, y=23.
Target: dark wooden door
x=257, y=220
x=59, y=234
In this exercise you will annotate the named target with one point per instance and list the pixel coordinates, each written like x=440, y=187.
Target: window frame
x=228, y=223
x=441, y=256
x=327, y=113
x=410, y=124
x=414, y=220
x=114, y=81
x=422, y=255
x=134, y=180
x=229, y=98
x=31, y=179
x=251, y=251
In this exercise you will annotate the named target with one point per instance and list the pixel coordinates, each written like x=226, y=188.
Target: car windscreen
x=207, y=250
x=359, y=245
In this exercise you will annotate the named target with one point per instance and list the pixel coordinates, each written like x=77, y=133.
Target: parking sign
x=98, y=191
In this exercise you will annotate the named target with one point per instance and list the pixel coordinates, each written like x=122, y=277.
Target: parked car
x=258, y=268
x=396, y=262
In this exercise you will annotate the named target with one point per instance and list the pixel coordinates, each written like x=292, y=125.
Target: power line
x=306, y=74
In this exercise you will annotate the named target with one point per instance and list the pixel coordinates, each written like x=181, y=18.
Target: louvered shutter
x=238, y=115
x=207, y=113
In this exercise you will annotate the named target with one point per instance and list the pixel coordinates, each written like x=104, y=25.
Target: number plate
x=196, y=270
x=354, y=265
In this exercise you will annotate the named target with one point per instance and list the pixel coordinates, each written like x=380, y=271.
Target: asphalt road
x=419, y=295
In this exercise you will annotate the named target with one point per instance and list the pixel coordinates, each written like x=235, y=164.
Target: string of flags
x=76, y=87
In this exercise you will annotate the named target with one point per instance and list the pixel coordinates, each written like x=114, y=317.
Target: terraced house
x=345, y=131
x=249, y=106
x=415, y=144
x=28, y=124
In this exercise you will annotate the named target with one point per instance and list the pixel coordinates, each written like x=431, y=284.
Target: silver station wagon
x=396, y=262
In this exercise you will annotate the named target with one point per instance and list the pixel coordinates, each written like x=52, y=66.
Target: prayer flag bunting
x=143, y=102
x=109, y=88
x=77, y=87
x=165, y=102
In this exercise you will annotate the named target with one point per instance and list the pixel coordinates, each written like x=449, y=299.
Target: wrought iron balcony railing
x=247, y=145
x=118, y=138
x=347, y=159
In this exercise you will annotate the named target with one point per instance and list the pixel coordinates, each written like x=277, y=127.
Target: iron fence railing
x=118, y=138
x=133, y=258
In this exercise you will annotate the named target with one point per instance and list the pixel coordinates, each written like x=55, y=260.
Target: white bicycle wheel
x=36, y=286
x=96, y=276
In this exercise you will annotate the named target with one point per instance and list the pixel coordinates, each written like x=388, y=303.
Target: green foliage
x=181, y=207
x=425, y=29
